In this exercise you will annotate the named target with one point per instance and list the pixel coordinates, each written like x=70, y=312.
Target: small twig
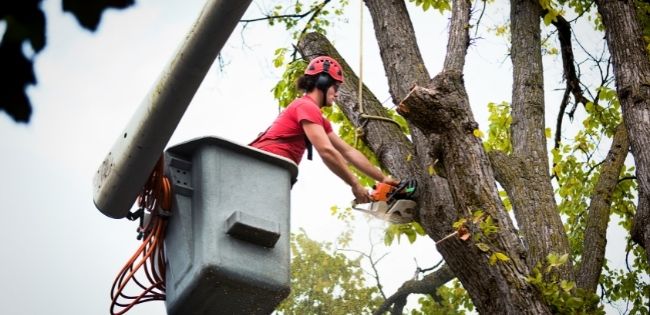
x=431, y=268
x=593, y=167
x=373, y=263
x=626, y=178
x=478, y=21
x=273, y=17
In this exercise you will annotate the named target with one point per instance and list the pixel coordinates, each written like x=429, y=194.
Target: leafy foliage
x=334, y=285
x=499, y=128
x=631, y=286
x=25, y=23
x=452, y=299
x=550, y=6
x=285, y=90
x=89, y=13
x=317, y=13
x=562, y=295
x=482, y=227
x=577, y=171
x=410, y=230
x=440, y=5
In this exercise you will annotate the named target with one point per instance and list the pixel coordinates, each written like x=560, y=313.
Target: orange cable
x=155, y=197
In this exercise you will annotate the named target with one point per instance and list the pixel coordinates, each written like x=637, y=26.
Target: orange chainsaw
x=392, y=203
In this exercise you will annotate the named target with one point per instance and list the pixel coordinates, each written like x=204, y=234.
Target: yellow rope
x=359, y=130
x=361, y=56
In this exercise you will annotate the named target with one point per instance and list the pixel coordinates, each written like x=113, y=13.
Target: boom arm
x=128, y=164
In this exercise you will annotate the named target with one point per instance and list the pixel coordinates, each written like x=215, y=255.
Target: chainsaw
x=391, y=203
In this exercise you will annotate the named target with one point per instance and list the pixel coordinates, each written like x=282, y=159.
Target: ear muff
x=324, y=80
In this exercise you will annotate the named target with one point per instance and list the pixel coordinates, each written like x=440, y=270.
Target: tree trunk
x=529, y=187
x=632, y=72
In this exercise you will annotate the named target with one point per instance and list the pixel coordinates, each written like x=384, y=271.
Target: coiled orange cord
x=156, y=198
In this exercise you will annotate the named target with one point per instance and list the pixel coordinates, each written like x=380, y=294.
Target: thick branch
x=568, y=65
x=593, y=253
x=400, y=53
x=632, y=73
x=528, y=80
x=458, y=36
x=568, y=60
x=402, y=60
x=532, y=196
x=428, y=285
x=432, y=108
x=641, y=228
x=507, y=169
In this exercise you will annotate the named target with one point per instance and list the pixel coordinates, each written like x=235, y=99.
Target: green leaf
x=567, y=286
x=483, y=247
x=459, y=223
x=493, y=259
x=501, y=256
x=411, y=235
x=388, y=238
x=418, y=228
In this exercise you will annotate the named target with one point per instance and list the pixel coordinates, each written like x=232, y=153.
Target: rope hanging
x=155, y=199
x=365, y=117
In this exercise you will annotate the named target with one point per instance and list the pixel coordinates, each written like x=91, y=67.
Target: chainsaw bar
x=392, y=203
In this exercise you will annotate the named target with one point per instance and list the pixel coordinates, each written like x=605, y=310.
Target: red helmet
x=325, y=64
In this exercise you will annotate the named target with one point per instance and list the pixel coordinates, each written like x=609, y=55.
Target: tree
x=541, y=266
x=334, y=285
x=25, y=22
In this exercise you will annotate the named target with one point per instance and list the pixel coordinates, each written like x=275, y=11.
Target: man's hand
x=390, y=180
x=360, y=194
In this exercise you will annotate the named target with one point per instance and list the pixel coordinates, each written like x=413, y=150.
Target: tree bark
x=632, y=73
x=641, y=225
x=530, y=191
x=402, y=61
x=398, y=47
x=593, y=253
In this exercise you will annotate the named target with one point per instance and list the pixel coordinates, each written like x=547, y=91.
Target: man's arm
x=356, y=158
x=333, y=159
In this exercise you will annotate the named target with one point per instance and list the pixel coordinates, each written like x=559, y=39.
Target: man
x=302, y=125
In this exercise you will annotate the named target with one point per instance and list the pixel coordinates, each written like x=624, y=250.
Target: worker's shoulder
x=302, y=102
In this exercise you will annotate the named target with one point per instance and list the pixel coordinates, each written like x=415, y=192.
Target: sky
x=61, y=254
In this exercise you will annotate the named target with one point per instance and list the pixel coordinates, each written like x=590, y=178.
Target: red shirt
x=286, y=137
